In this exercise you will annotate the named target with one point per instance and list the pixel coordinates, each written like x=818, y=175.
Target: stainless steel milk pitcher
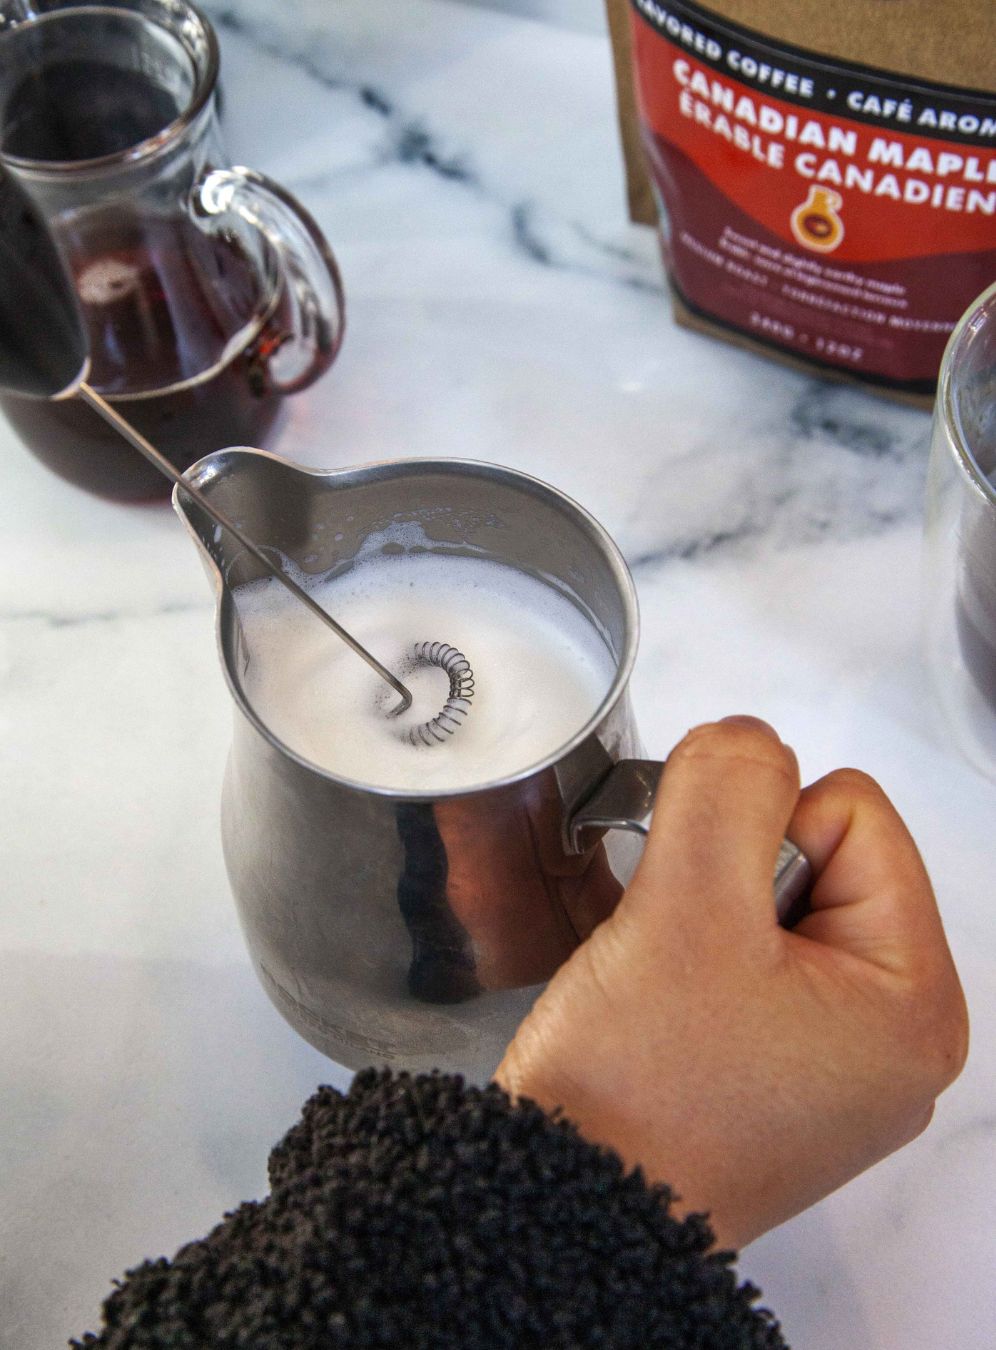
x=394, y=926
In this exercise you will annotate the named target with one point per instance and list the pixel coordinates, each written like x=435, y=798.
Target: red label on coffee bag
x=841, y=214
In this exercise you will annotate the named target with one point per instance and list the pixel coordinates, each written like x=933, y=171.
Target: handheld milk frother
x=43, y=354
x=405, y=925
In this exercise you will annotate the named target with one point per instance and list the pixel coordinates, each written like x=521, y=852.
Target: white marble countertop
x=464, y=164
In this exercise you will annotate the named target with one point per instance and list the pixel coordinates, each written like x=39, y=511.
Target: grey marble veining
x=462, y=159
x=410, y=137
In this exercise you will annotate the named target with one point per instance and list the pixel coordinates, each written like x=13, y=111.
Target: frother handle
x=624, y=800
x=134, y=437
x=43, y=348
x=307, y=276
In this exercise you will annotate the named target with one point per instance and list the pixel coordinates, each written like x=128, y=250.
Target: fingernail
x=743, y=720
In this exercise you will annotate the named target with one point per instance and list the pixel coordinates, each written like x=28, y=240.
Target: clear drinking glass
x=960, y=541
x=208, y=291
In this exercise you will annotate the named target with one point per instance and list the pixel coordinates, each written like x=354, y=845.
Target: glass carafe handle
x=297, y=252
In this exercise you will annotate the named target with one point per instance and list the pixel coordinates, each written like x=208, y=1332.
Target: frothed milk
x=541, y=669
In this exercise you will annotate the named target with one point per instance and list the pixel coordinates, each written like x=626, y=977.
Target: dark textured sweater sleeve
x=419, y=1212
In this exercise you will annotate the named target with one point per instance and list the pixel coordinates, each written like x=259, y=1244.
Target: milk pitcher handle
x=306, y=273
x=624, y=800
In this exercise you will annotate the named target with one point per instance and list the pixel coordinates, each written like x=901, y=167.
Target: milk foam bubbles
x=541, y=669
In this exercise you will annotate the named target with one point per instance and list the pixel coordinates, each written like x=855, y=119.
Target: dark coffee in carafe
x=160, y=303
x=207, y=293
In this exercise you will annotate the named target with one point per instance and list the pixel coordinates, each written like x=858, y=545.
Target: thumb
x=727, y=793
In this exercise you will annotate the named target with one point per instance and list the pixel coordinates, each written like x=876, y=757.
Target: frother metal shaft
x=146, y=448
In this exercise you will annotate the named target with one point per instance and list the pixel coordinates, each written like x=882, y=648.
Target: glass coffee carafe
x=207, y=291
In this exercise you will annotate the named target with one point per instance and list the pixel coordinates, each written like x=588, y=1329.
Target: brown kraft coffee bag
x=824, y=175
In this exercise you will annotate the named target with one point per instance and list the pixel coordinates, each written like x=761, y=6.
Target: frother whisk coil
x=457, y=705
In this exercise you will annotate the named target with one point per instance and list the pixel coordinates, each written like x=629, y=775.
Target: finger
x=726, y=795
x=872, y=895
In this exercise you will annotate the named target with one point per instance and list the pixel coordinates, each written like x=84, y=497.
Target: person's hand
x=753, y=1069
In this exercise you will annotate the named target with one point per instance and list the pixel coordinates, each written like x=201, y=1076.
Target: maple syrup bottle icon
x=816, y=223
